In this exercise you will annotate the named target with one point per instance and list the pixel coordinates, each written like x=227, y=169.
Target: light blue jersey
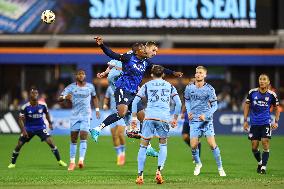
x=158, y=93
x=200, y=101
x=110, y=95
x=114, y=73
x=81, y=100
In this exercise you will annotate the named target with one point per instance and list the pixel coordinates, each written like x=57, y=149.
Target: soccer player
x=80, y=93
x=31, y=121
x=201, y=103
x=117, y=128
x=158, y=93
x=257, y=106
x=134, y=66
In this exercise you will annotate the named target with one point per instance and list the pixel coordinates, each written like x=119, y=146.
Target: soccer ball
x=48, y=16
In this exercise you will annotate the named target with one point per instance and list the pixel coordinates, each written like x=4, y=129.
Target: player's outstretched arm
x=103, y=74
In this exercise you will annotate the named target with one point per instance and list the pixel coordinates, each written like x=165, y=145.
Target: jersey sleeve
x=248, y=99
x=173, y=91
x=67, y=90
x=121, y=57
x=212, y=95
x=45, y=108
x=108, y=92
x=274, y=101
x=186, y=93
x=22, y=111
x=93, y=90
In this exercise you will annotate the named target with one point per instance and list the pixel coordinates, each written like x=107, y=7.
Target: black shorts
x=185, y=128
x=42, y=134
x=124, y=97
x=257, y=132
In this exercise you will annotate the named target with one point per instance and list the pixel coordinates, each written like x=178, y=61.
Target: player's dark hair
x=157, y=70
x=264, y=74
x=151, y=43
x=33, y=88
x=80, y=70
x=136, y=47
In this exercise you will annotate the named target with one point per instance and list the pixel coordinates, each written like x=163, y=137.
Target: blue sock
x=162, y=155
x=117, y=150
x=73, y=149
x=122, y=148
x=217, y=156
x=265, y=156
x=257, y=155
x=141, y=158
x=111, y=119
x=195, y=155
x=83, y=149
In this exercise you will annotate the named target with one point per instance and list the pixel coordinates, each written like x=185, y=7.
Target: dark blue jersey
x=34, y=116
x=260, y=104
x=133, y=69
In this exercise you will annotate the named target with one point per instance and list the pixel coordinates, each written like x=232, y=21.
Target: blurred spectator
x=15, y=105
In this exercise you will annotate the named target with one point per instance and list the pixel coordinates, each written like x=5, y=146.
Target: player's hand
x=190, y=116
x=99, y=40
x=202, y=117
x=246, y=126
x=173, y=123
x=101, y=75
x=25, y=134
x=50, y=126
x=178, y=74
x=68, y=97
x=98, y=114
x=274, y=126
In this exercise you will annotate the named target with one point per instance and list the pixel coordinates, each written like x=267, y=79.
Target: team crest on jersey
x=40, y=111
x=266, y=98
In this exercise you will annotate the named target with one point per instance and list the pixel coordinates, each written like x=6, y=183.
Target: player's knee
x=185, y=137
x=163, y=140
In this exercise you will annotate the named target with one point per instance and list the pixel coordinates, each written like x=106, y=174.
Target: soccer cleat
x=139, y=180
x=81, y=164
x=121, y=159
x=222, y=172
x=151, y=152
x=263, y=171
x=11, y=166
x=258, y=168
x=71, y=167
x=159, y=177
x=95, y=133
x=197, y=169
x=62, y=163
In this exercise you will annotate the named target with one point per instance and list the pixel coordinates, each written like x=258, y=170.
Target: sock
x=265, y=156
x=256, y=154
x=195, y=155
x=149, y=145
x=199, y=148
x=73, y=149
x=56, y=153
x=141, y=158
x=14, y=157
x=217, y=156
x=109, y=120
x=83, y=149
x=117, y=150
x=162, y=155
x=122, y=149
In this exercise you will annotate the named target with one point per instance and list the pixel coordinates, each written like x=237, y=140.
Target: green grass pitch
x=37, y=168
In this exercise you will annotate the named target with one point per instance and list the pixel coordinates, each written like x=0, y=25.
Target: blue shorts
x=42, y=134
x=124, y=97
x=200, y=128
x=120, y=122
x=80, y=125
x=152, y=128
